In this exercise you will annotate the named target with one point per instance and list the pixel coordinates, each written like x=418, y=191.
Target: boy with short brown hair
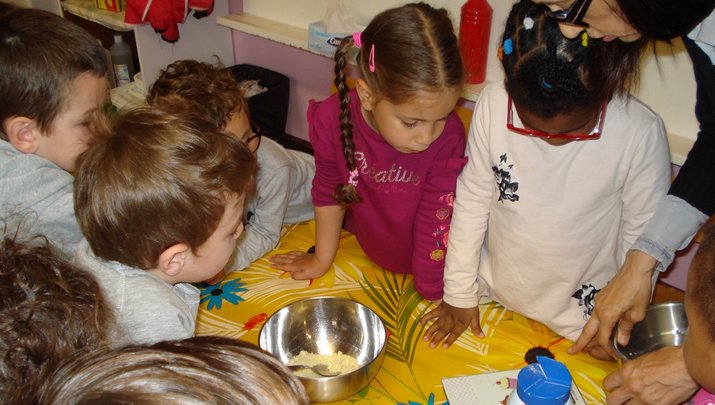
x=159, y=198
x=52, y=80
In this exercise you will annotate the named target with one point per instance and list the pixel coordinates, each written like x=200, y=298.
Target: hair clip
x=508, y=47
x=353, y=179
x=584, y=39
x=357, y=39
x=546, y=84
x=528, y=23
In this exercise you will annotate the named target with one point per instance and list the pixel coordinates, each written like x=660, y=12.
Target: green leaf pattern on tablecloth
x=412, y=372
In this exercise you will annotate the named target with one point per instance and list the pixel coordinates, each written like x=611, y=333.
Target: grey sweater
x=39, y=193
x=146, y=308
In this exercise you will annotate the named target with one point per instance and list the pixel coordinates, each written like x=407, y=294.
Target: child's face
x=411, y=127
x=212, y=255
x=69, y=134
x=240, y=125
x=699, y=347
x=580, y=121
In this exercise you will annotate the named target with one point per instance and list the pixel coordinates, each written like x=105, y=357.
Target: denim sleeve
x=672, y=227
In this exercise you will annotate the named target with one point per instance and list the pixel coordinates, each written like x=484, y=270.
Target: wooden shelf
x=87, y=10
x=268, y=29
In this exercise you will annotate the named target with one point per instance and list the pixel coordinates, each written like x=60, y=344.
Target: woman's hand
x=300, y=265
x=449, y=324
x=659, y=377
x=625, y=298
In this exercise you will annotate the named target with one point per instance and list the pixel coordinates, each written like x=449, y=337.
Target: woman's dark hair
x=549, y=74
x=415, y=49
x=664, y=19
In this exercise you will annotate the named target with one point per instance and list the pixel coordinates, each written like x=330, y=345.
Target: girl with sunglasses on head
x=564, y=171
x=388, y=153
x=690, y=201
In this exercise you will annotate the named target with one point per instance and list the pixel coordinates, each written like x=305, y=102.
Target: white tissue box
x=323, y=42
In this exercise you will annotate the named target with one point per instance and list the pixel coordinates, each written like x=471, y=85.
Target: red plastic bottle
x=474, y=28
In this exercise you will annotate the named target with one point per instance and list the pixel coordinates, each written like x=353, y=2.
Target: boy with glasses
x=284, y=176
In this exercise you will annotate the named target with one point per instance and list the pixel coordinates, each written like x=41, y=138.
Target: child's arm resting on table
x=432, y=219
x=303, y=266
x=263, y=229
x=623, y=301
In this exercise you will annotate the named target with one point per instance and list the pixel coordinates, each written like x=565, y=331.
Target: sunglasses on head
x=595, y=134
x=573, y=15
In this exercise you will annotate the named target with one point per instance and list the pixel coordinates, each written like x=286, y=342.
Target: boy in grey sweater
x=53, y=79
x=284, y=175
x=160, y=199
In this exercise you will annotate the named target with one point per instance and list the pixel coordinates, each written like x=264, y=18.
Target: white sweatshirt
x=542, y=228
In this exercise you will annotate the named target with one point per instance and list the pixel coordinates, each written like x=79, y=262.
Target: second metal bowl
x=665, y=324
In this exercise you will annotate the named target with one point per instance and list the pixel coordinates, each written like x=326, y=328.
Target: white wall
x=200, y=39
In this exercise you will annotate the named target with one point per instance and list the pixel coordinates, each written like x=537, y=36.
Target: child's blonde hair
x=207, y=90
x=200, y=370
x=403, y=51
x=154, y=179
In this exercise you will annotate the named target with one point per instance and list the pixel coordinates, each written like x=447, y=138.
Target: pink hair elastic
x=357, y=40
x=353, y=180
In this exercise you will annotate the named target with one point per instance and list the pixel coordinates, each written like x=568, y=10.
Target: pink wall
x=677, y=273
x=310, y=75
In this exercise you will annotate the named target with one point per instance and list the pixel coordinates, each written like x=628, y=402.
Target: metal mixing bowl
x=665, y=324
x=327, y=325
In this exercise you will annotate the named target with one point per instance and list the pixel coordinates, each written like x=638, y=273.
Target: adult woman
x=661, y=376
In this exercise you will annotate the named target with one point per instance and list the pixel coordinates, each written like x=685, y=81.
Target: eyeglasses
x=573, y=15
x=256, y=135
x=595, y=134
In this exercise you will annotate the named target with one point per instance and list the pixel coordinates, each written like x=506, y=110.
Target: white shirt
x=542, y=228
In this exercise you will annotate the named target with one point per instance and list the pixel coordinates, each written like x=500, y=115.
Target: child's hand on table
x=450, y=322
x=300, y=265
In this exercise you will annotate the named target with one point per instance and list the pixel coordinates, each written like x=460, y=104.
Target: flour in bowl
x=337, y=362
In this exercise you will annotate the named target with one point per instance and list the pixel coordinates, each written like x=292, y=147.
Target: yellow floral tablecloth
x=412, y=372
